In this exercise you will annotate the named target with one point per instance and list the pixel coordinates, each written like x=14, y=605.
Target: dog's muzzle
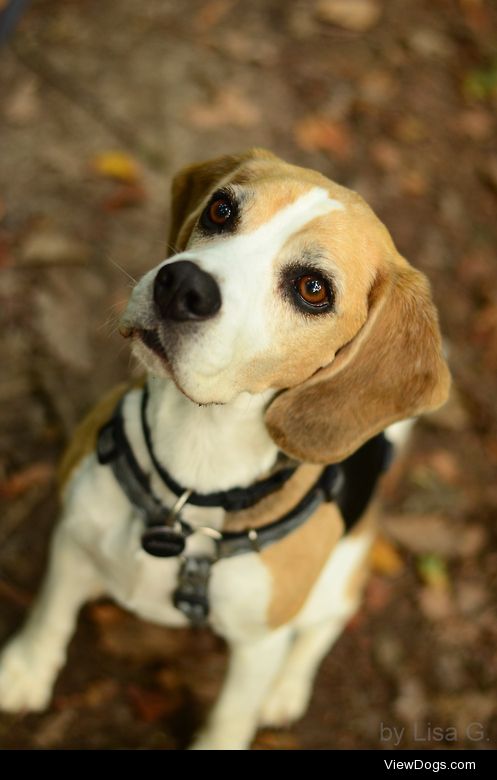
x=182, y=291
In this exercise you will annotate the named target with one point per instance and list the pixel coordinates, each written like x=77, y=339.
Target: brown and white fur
x=227, y=394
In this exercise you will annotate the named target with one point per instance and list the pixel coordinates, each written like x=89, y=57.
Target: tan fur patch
x=277, y=504
x=296, y=562
x=84, y=438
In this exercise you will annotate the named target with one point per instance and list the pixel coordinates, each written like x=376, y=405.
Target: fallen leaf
x=353, y=15
x=280, y=739
x=430, y=43
x=435, y=603
x=150, y=706
x=23, y=106
x=433, y=571
x=54, y=728
x=97, y=694
x=116, y=165
x=470, y=596
x=385, y=559
x=47, y=245
x=22, y=481
x=411, y=703
x=386, y=155
x=445, y=464
x=433, y=532
x=106, y=614
x=410, y=129
x=126, y=637
x=476, y=124
x=481, y=83
x=125, y=197
x=211, y=13
x=318, y=133
x=378, y=594
x=228, y=107
x=377, y=88
x=414, y=183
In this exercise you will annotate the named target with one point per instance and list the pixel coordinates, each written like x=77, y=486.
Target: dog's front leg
x=31, y=660
x=253, y=666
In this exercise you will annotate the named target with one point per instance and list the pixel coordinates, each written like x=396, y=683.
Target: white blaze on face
x=244, y=267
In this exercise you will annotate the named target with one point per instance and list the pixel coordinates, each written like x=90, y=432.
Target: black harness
x=350, y=484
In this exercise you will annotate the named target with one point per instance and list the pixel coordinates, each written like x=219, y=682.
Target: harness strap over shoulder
x=350, y=484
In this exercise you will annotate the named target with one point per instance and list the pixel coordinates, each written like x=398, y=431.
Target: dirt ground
x=397, y=100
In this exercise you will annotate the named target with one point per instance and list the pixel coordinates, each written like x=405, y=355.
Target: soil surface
x=396, y=100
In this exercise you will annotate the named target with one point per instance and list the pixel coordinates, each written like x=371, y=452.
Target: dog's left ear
x=392, y=369
x=193, y=184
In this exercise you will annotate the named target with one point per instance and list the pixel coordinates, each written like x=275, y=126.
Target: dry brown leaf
x=46, y=245
x=97, y=694
x=318, y=133
x=276, y=740
x=386, y=155
x=211, y=13
x=414, y=183
x=17, y=484
x=227, y=107
x=435, y=603
x=24, y=105
x=125, y=197
x=433, y=532
x=354, y=15
x=378, y=594
x=150, y=706
x=476, y=124
x=445, y=466
x=106, y=614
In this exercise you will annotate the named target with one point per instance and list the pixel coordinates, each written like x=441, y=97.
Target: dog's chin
x=147, y=347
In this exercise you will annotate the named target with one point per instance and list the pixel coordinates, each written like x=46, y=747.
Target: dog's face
x=277, y=278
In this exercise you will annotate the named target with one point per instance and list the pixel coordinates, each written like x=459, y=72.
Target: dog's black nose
x=182, y=291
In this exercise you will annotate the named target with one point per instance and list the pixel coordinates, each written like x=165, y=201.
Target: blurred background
x=100, y=104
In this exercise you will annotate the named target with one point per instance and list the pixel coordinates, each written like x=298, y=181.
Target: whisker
x=120, y=268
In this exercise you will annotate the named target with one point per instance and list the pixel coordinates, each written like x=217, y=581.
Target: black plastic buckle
x=163, y=542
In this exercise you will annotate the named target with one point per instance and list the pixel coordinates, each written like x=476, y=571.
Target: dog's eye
x=313, y=290
x=218, y=214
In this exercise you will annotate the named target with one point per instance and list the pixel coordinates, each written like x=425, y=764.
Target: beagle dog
x=231, y=487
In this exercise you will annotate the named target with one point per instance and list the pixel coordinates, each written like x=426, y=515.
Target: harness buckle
x=190, y=596
x=167, y=539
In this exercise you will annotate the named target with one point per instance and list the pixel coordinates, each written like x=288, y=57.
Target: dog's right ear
x=193, y=184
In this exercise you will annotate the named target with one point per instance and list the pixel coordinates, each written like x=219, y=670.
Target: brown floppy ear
x=191, y=186
x=392, y=369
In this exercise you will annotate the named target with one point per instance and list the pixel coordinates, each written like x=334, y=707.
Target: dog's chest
x=101, y=519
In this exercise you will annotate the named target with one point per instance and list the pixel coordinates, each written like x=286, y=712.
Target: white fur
x=96, y=548
x=245, y=269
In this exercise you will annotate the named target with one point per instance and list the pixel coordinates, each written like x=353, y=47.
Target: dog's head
x=281, y=279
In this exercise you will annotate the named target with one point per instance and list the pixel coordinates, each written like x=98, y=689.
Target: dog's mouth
x=152, y=340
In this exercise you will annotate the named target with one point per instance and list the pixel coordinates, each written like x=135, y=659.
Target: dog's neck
x=214, y=447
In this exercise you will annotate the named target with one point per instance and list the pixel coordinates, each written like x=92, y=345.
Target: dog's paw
x=219, y=739
x=24, y=686
x=286, y=702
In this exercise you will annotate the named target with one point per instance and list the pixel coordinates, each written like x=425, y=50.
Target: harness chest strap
x=348, y=484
